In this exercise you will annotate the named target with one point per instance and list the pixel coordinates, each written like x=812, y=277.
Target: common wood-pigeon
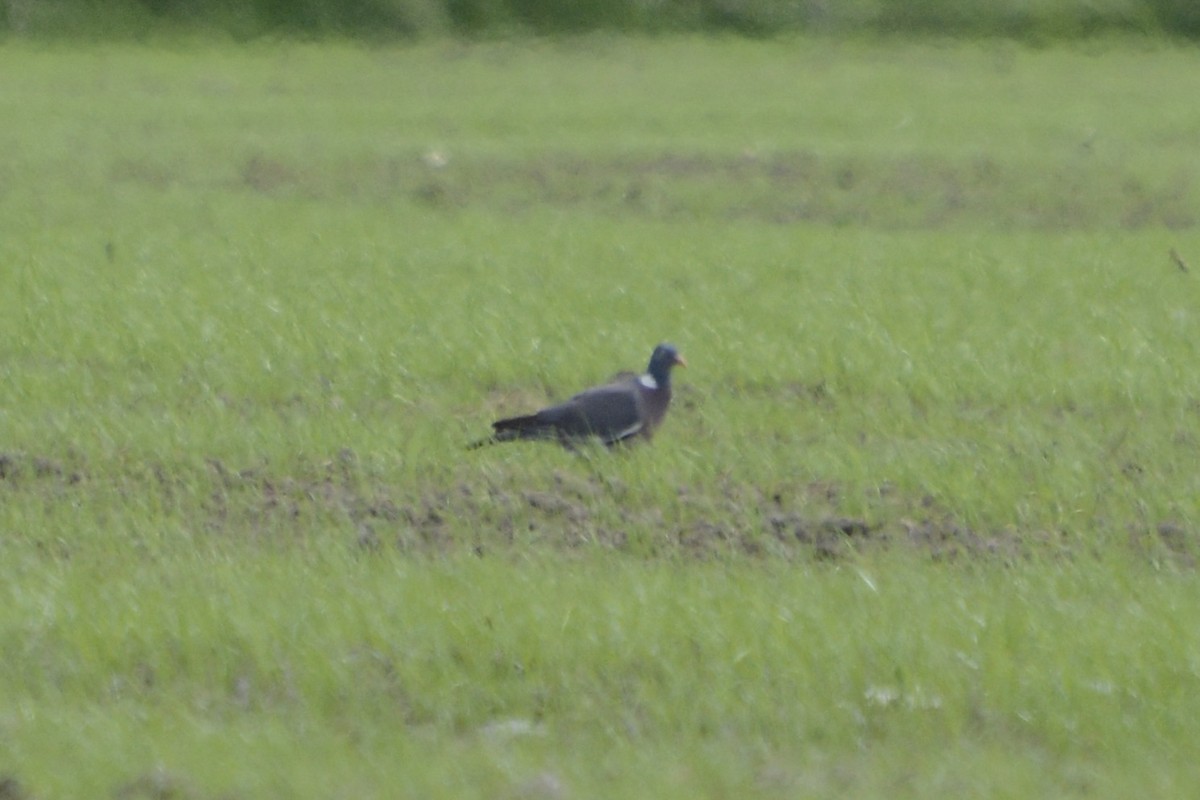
x=628, y=407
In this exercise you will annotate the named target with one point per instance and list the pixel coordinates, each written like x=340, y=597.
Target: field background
x=921, y=523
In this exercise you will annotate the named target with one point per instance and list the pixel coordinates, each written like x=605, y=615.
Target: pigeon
x=630, y=406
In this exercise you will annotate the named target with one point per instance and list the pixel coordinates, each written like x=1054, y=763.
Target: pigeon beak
x=681, y=361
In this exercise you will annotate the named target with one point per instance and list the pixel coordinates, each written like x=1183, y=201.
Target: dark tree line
x=391, y=19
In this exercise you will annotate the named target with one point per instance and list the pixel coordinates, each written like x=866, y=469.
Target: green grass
x=250, y=677
x=921, y=523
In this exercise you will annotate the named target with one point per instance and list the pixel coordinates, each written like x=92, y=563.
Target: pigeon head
x=665, y=357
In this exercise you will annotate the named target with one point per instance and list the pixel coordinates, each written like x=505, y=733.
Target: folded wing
x=610, y=413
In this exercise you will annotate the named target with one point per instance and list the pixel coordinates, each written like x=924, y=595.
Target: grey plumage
x=629, y=407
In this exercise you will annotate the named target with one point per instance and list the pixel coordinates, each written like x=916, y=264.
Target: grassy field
x=922, y=522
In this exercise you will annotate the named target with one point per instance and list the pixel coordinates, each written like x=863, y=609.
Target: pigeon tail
x=531, y=426
x=516, y=428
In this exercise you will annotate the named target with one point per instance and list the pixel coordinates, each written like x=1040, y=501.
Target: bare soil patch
x=888, y=192
x=565, y=511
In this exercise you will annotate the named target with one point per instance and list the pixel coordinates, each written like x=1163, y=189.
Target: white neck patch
x=648, y=381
